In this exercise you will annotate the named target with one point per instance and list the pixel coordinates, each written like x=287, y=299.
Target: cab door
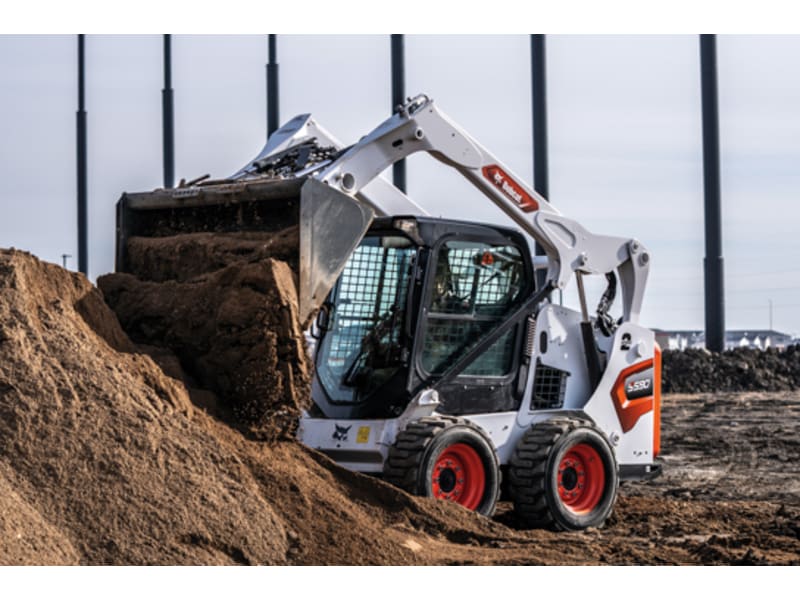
x=473, y=286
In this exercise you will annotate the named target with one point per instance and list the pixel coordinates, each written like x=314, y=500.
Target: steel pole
x=539, y=108
x=272, y=85
x=713, y=262
x=168, y=116
x=83, y=252
x=398, y=97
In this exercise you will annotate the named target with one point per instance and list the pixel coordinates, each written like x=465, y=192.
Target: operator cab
x=415, y=296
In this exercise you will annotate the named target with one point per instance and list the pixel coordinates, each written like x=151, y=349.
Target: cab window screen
x=475, y=285
x=367, y=320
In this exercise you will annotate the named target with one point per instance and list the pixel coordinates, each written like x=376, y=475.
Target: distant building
x=760, y=339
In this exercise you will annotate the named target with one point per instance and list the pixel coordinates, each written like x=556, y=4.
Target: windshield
x=362, y=349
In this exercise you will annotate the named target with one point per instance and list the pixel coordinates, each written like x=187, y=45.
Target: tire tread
x=405, y=458
x=527, y=470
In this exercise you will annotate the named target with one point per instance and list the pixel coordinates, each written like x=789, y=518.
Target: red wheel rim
x=458, y=476
x=581, y=478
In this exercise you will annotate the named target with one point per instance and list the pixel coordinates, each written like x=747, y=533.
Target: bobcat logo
x=341, y=432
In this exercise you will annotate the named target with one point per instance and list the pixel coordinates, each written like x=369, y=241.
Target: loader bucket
x=157, y=231
x=223, y=209
x=332, y=224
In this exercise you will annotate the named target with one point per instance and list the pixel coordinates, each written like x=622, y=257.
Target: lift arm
x=419, y=126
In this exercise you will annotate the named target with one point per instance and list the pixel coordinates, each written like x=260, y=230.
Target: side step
x=639, y=472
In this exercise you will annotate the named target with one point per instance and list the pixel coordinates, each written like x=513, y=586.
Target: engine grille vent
x=549, y=385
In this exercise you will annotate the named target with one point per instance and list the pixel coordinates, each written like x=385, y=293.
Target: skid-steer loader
x=440, y=364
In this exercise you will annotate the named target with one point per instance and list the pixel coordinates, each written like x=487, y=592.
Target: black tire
x=578, y=453
x=424, y=448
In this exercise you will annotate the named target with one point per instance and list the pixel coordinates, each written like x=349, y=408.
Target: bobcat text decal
x=510, y=188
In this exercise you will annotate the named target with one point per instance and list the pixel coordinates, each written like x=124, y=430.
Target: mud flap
x=332, y=224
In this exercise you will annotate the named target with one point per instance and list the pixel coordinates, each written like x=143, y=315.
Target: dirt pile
x=101, y=449
x=104, y=460
x=235, y=332
x=743, y=369
x=25, y=535
x=183, y=257
x=226, y=306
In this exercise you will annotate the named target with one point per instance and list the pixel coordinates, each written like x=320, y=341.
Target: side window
x=475, y=285
x=362, y=349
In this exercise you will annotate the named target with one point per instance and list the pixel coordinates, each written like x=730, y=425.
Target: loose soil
x=108, y=456
x=739, y=370
x=219, y=312
x=184, y=257
x=234, y=331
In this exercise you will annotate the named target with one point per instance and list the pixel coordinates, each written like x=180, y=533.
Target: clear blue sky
x=624, y=125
